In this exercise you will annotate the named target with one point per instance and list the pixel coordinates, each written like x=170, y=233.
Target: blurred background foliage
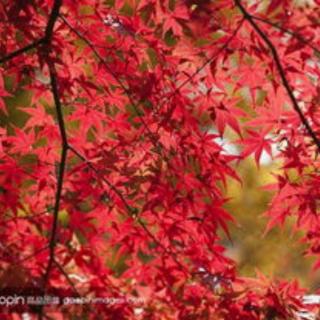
x=278, y=253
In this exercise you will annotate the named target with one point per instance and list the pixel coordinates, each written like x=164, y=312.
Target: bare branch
x=150, y=135
x=33, y=254
x=72, y=285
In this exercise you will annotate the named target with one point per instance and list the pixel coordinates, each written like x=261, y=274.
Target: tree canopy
x=122, y=127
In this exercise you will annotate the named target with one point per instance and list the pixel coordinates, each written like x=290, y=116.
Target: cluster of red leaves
x=111, y=176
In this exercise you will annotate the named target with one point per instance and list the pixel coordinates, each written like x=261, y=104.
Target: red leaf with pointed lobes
x=223, y=116
x=255, y=144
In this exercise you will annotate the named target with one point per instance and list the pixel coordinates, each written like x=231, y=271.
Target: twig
x=35, y=253
x=19, y=262
x=158, y=243
x=45, y=39
x=129, y=208
x=135, y=105
x=64, y=273
x=22, y=50
x=285, y=30
x=72, y=285
x=30, y=217
x=281, y=72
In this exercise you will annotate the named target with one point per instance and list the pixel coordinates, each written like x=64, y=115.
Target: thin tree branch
x=72, y=285
x=56, y=97
x=55, y=92
x=212, y=58
x=22, y=50
x=63, y=159
x=64, y=273
x=129, y=208
x=281, y=72
x=158, y=243
x=285, y=30
x=27, y=217
x=33, y=254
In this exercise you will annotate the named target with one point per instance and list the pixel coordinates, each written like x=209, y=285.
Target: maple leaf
x=256, y=143
x=171, y=21
x=22, y=141
x=223, y=116
x=39, y=117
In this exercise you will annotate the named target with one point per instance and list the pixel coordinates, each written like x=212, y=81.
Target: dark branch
x=55, y=92
x=30, y=256
x=292, y=33
x=46, y=39
x=63, y=159
x=72, y=285
x=150, y=135
x=159, y=244
x=22, y=50
x=64, y=273
x=57, y=102
x=52, y=20
x=281, y=72
x=212, y=58
x=35, y=253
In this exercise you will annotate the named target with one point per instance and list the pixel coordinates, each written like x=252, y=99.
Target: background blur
x=277, y=254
